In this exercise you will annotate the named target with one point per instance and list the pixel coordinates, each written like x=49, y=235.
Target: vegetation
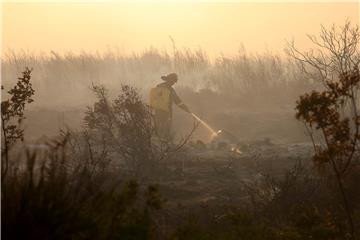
x=334, y=111
x=12, y=115
x=66, y=188
x=125, y=126
x=243, y=76
x=102, y=182
x=60, y=197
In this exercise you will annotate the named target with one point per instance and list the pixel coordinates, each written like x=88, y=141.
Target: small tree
x=12, y=115
x=126, y=124
x=331, y=115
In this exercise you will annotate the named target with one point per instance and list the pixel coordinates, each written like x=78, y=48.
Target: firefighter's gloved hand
x=185, y=108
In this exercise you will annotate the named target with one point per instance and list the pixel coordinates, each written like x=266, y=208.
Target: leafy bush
x=125, y=125
x=333, y=113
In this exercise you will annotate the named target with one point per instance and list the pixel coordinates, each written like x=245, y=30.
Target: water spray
x=213, y=132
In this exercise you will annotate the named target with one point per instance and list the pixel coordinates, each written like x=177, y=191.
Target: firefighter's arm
x=176, y=99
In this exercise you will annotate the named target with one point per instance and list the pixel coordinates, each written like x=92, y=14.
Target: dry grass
x=68, y=76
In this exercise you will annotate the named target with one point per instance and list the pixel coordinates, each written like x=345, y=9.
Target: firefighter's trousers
x=163, y=124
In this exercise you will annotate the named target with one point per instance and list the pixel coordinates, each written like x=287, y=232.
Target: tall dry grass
x=64, y=79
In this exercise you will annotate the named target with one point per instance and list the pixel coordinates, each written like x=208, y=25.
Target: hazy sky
x=215, y=27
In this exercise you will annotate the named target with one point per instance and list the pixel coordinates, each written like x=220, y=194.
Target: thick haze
x=132, y=27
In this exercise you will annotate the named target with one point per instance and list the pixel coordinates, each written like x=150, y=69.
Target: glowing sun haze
x=134, y=26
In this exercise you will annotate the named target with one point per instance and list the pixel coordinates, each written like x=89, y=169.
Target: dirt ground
x=248, y=125
x=270, y=142
x=208, y=176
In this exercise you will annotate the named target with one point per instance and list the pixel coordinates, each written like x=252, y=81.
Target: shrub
x=332, y=112
x=57, y=197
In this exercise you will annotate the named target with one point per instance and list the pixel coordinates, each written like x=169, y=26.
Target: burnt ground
x=270, y=143
x=209, y=176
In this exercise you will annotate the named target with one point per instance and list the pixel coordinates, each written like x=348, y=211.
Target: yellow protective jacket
x=162, y=96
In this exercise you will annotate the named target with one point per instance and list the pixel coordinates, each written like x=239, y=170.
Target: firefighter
x=161, y=99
